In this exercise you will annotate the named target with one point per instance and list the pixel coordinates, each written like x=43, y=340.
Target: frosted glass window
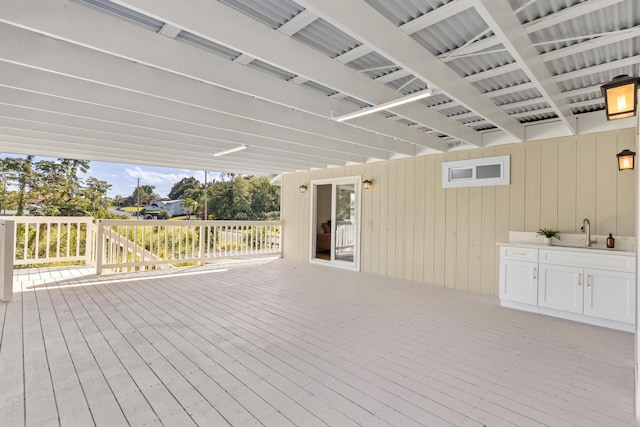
x=461, y=173
x=488, y=171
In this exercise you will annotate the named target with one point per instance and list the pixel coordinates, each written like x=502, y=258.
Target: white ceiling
x=169, y=83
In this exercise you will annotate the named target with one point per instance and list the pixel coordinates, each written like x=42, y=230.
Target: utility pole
x=138, y=191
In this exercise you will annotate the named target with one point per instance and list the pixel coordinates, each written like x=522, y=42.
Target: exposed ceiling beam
x=436, y=15
x=27, y=142
x=610, y=38
x=218, y=22
x=507, y=27
x=353, y=54
x=63, y=20
x=297, y=23
x=187, y=142
x=366, y=24
x=567, y=14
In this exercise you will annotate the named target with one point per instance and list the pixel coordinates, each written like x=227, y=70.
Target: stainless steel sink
x=590, y=248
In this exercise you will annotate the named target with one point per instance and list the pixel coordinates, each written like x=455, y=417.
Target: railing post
x=7, y=248
x=201, y=246
x=99, y=246
x=90, y=244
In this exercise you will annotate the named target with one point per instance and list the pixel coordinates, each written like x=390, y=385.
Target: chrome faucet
x=586, y=228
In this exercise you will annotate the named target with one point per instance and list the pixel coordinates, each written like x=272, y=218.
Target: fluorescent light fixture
x=229, y=151
x=387, y=105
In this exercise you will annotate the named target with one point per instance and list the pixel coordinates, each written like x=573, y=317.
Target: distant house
x=174, y=207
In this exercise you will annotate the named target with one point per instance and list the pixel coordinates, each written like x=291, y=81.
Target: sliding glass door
x=335, y=222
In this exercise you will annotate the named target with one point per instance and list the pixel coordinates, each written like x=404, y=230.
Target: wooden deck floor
x=289, y=343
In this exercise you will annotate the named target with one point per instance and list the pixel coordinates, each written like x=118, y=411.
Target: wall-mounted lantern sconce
x=367, y=184
x=626, y=160
x=620, y=97
x=303, y=188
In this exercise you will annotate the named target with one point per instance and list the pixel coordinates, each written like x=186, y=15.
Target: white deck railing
x=52, y=239
x=126, y=245
x=6, y=259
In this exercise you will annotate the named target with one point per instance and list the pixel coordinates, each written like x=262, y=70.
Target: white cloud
x=148, y=177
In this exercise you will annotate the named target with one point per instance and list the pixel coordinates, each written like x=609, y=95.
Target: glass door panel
x=335, y=227
x=345, y=224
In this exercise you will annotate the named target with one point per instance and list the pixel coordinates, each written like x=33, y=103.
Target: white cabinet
x=560, y=287
x=610, y=295
x=581, y=285
x=519, y=275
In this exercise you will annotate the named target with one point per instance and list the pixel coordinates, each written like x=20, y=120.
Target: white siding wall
x=414, y=229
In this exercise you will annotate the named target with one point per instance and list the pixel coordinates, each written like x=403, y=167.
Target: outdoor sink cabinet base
x=591, y=285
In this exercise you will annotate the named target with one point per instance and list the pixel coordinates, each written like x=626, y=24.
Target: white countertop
x=593, y=249
x=625, y=245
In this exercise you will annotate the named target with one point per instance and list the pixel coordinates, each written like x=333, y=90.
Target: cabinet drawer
x=588, y=260
x=519, y=254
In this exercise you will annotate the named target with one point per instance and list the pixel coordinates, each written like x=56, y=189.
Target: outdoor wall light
x=303, y=188
x=626, y=160
x=620, y=97
x=367, y=184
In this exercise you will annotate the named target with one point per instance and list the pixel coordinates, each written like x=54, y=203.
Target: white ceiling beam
x=605, y=40
x=298, y=80
x=243, y=59
x=186, y=141
x=537, y=25
x=133, y=109
x=252, y=157
x=507, y=27
x=395, y=75
x=96, y=67
x=297, y=23
x=170, y=31
x=63, y=20
x=65, y=146
x=436, y=15
x=607, y=66
x=494, y=72
x=225, y=25
x=366, y=24
x=511, y=89
x=353, y=54
x=569, y=13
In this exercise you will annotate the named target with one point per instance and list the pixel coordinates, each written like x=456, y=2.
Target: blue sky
x=124, y=177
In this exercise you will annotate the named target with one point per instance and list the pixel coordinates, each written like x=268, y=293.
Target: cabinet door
x=561, y=287
x=609, y=295
x=518, y=281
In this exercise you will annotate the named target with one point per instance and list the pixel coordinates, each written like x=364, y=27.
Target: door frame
x=356, y=180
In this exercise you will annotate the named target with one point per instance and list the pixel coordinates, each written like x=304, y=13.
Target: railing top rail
x=181, y=223
x=47, y=218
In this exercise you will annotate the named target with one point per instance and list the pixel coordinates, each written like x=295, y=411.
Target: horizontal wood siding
x=414, y=229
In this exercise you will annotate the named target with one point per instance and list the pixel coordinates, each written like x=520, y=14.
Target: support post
x=99, y=246
x=7, y=249
x=201, y=245
x=637, y=302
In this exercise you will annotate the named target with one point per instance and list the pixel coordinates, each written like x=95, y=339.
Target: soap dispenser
x=611, y=242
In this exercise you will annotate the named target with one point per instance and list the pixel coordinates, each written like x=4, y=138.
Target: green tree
x=59, y=185
x=243, y=198
x=19, y=172
x=147, y=194
x=185, y=188
x=190, y=206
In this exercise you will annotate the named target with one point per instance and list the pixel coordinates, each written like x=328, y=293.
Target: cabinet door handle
x=534, y=273
x=579, y=279
x=588, y=280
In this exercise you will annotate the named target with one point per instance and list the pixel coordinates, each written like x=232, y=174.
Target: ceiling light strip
x=387, y=105
x=229, y=151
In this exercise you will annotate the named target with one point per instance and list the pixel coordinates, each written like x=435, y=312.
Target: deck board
x=287, y=343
